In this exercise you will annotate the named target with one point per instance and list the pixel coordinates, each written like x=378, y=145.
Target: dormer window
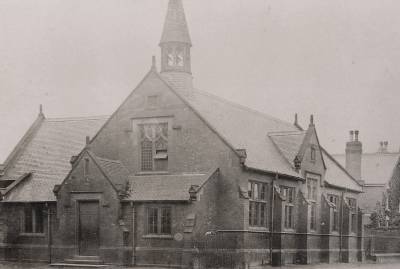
x=154, y=146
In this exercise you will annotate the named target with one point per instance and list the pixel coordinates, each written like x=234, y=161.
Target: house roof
x=175, y=26
x=115, y=171
x=376, y=168
x=46, y=154
x=164, y=187
x=243, y=128
x=289, y=143
x=337, y=176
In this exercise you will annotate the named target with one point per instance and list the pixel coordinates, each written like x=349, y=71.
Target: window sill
x=289, y=230
x=33, y=234
x=147, y=173
x=158, y=236
x=258, y=229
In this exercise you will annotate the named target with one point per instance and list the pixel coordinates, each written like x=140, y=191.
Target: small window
x=312, y=189
x=159, y=220
x=313, y=216
x=313, y=153
x=334, y=199
x=152, y=101
x=86, y=168
x=289, y=194
x=353, y=214
x=33, y=219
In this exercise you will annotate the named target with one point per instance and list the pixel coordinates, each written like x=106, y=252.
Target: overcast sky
x=338, y=59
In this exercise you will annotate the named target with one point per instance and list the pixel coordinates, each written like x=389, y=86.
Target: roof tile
x=47, y=156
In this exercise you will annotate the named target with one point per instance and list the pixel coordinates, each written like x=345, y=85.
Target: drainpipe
x=341, y=226
x=272, y=217
x=49, y=239
x=133, y=234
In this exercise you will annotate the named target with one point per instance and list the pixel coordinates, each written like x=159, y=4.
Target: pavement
x=15, y=265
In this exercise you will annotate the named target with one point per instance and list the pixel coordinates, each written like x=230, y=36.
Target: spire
x=175, y=26
x=175, y=41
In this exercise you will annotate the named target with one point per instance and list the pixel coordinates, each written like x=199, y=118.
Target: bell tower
x=175, y=41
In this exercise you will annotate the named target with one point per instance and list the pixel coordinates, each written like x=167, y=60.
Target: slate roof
x=164, y=187
x=376, y=168
x=46, y=154
x=336, y=175
x=116, y=172
x=175, y=26
x=243, y=128
x=289, y=143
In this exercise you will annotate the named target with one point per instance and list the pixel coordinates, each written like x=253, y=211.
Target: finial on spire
x=296, y=121
x=153, y=63
x=87, y=140
x=41, y=110
x=312, y=120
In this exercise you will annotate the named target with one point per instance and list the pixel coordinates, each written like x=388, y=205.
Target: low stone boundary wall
x=382, y=244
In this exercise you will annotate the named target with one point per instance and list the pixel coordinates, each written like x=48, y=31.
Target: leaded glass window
x=154, y=146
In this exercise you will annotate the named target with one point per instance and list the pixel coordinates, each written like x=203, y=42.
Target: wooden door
x=88, y=228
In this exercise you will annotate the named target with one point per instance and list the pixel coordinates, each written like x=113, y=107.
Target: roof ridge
x=370, y=153
x=243, y=107
x=285, y=133
x=76, y=118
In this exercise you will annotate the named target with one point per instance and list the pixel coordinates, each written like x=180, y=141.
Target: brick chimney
x=354, y=155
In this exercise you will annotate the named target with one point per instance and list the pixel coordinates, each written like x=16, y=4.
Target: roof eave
x=154, y=201
x=342, y=188
x=272, y=173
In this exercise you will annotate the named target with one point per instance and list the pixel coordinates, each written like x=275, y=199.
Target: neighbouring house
x=393, y=195
x=179, y=177
x=376, y=171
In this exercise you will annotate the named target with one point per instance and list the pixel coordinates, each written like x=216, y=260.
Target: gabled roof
x=115, y=171
x=376, y=168
x=46, y=154
x=165, y=187
x=175, y=26
x=244, y=128
x=289, y=143
x=337, y=176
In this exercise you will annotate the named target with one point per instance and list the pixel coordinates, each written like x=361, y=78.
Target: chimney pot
x=351, y=136
x=153, y=63
x=356, y=132
x=312, y=119
x=87, y=140
x=41, y=110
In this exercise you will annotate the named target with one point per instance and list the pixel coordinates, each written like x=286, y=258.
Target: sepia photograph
x=199, y=134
